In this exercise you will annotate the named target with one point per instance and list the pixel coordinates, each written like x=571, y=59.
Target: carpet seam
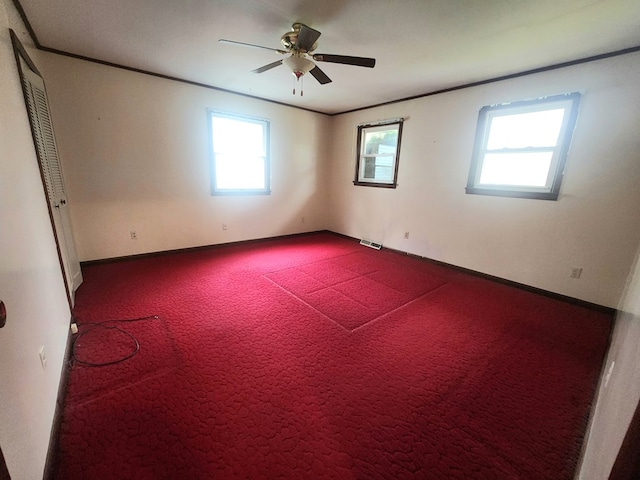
x=107, y=392
x=307, y=304
x=345, y=296
x=400, y=307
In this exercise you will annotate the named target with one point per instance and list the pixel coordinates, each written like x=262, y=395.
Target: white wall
x=31, y=283
x=594, y=224
x=135, y=155
x=616, y=401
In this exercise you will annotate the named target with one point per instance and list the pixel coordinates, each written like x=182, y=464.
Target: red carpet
x=315, y=357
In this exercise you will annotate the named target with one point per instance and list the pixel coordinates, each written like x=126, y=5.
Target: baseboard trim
x=51, y=462
x=522, y=286
x=504, y=281
x=200, y=248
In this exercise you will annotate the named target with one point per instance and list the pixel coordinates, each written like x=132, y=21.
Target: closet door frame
x=53, y=188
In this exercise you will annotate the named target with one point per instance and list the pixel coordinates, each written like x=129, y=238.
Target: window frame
x=267, y=153
x=362, y=130
x=551, y=190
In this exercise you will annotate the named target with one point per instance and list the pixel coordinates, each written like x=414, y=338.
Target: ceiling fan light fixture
x=299, y=43
x=298, y=65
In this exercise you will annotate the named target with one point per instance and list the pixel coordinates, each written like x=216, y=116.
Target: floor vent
x=368, y=243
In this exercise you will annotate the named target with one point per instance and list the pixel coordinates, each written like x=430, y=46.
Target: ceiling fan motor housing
x=290, y=39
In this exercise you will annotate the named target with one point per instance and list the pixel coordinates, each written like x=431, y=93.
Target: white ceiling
x=421, y=46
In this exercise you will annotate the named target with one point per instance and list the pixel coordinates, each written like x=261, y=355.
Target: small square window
x=378, y=153
x=521, y=148
x=239, y=153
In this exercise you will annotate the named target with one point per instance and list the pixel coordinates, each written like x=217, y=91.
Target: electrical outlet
x=224, y=226
x=576, y=272
x=406, y=234
x=134, y=235
x=43, y=357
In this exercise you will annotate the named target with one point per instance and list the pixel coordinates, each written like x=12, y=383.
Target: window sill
x=240, y=192
x=512, y=193
x=374, y=184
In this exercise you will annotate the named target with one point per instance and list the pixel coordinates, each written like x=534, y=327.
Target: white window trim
x=569, y=102
x=267, y=161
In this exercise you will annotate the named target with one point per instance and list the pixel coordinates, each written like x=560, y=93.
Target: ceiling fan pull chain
x=301, y=79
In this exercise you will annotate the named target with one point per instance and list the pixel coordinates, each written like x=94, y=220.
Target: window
x=240, y=154
x=520, y=148
x=378, y=153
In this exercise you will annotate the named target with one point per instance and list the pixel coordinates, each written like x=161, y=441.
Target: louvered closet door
x=40, y=118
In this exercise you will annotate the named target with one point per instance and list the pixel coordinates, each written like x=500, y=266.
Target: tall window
x=520, y=148
x=378, y=153
x=240, y=154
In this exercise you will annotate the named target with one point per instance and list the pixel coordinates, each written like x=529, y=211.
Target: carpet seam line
x=307, y=304
x=400, y=307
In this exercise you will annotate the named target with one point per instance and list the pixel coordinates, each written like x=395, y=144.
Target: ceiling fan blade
x=319, y=75
x=242, y=44
x=267, y=67
x=346, y=60
x=306, y=38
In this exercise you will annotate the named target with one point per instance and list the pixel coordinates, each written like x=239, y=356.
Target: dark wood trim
x=27, y=24
x=396, y=161
x=522, y=286
x=533, y=71
x=25, y=20
x=547, y=68
x=51, y=462
x=20, y=52
x=172, y=78
x=373, y=184
x=511, y=283
x=627, y=464
x=201, y=248
x=406, y=99
x=504, y=281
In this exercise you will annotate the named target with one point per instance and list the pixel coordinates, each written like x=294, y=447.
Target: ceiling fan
x=299, y=43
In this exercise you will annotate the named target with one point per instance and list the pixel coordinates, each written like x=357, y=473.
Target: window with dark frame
x=378, y=154
x=239, y=154
x=521, y=148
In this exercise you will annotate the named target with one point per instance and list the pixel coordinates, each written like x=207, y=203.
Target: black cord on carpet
x=92, y=325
